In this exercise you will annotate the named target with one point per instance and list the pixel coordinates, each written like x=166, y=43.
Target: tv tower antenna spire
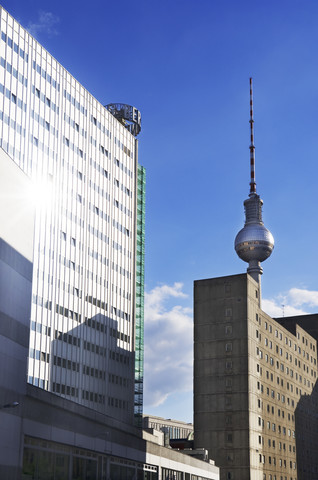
x=252, y=146
x=254, y=243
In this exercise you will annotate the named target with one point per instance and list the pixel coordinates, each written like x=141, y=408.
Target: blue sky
x=186, y=66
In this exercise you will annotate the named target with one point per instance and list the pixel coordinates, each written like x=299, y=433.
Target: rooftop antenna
x=254, y=243
x=252, y=146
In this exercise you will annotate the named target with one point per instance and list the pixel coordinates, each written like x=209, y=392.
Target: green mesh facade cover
x=140, y=272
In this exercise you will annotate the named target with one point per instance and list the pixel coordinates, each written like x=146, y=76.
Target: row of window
x=289, y=385
x=279, y=397
x=101, y=127
x=122, y=167
x=281, y=445
x=281, y=462
x=280, y=381
x=122, y=208
x=74, y=102
x=118, y=380
x=99, y=168
x=119, y=357
x=45, y=75
x=89, y=396
x=121, y=270
x=121, y=228
x=91, y=347
x=96, y=302
x=94, y=372
x=99, y=257
x=74, y=125
x=66, y=312
x=43, y=147
x=65, y=390
x=279, y=350
x=38, y=382
x=12, y=123
x=40, y=328
x=99, y=189
x=38, y=355
x=280, y=335
x=10, y=69
x=44, y=123
x=64, y=363
x=13, y=97
x=119, y=335
x=74, y=148
x=288, y=370
x=280, y=429
x=15, y=46
x=123, y=148
x=44, y=99
x=99, y=212
x=12, y=151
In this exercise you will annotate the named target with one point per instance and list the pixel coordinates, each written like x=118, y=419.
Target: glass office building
x=86, y=331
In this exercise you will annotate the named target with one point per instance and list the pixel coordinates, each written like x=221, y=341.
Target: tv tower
x=254, y=243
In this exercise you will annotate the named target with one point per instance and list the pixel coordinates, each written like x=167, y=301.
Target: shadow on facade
x=88, y=366
x=306, y=427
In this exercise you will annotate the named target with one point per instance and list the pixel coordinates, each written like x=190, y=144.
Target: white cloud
x=46, y=22
x=297, y=301
x=301, y=296
x=168, y=344
x=274, y=308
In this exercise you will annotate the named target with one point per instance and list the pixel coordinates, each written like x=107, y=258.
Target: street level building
x=174, y=429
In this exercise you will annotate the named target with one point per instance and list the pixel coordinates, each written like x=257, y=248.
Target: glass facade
x=140, y=273
x=56, y=461
x=83, y=166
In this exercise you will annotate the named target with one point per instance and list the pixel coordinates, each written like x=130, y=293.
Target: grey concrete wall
x=16, y=252
x=221, y=422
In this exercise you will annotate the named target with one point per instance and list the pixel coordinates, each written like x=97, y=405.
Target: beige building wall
x=249, y=375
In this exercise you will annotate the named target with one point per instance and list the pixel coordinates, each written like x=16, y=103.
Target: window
x=228, y=382
x=228, y=329
x=228, y=365
x=228, y=347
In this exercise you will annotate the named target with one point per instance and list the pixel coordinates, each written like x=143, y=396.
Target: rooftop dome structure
x=254, y=243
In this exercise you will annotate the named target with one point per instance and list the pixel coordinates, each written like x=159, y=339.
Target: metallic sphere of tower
x=254, y=243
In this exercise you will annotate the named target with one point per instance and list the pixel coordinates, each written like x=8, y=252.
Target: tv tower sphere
x=254, y=243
